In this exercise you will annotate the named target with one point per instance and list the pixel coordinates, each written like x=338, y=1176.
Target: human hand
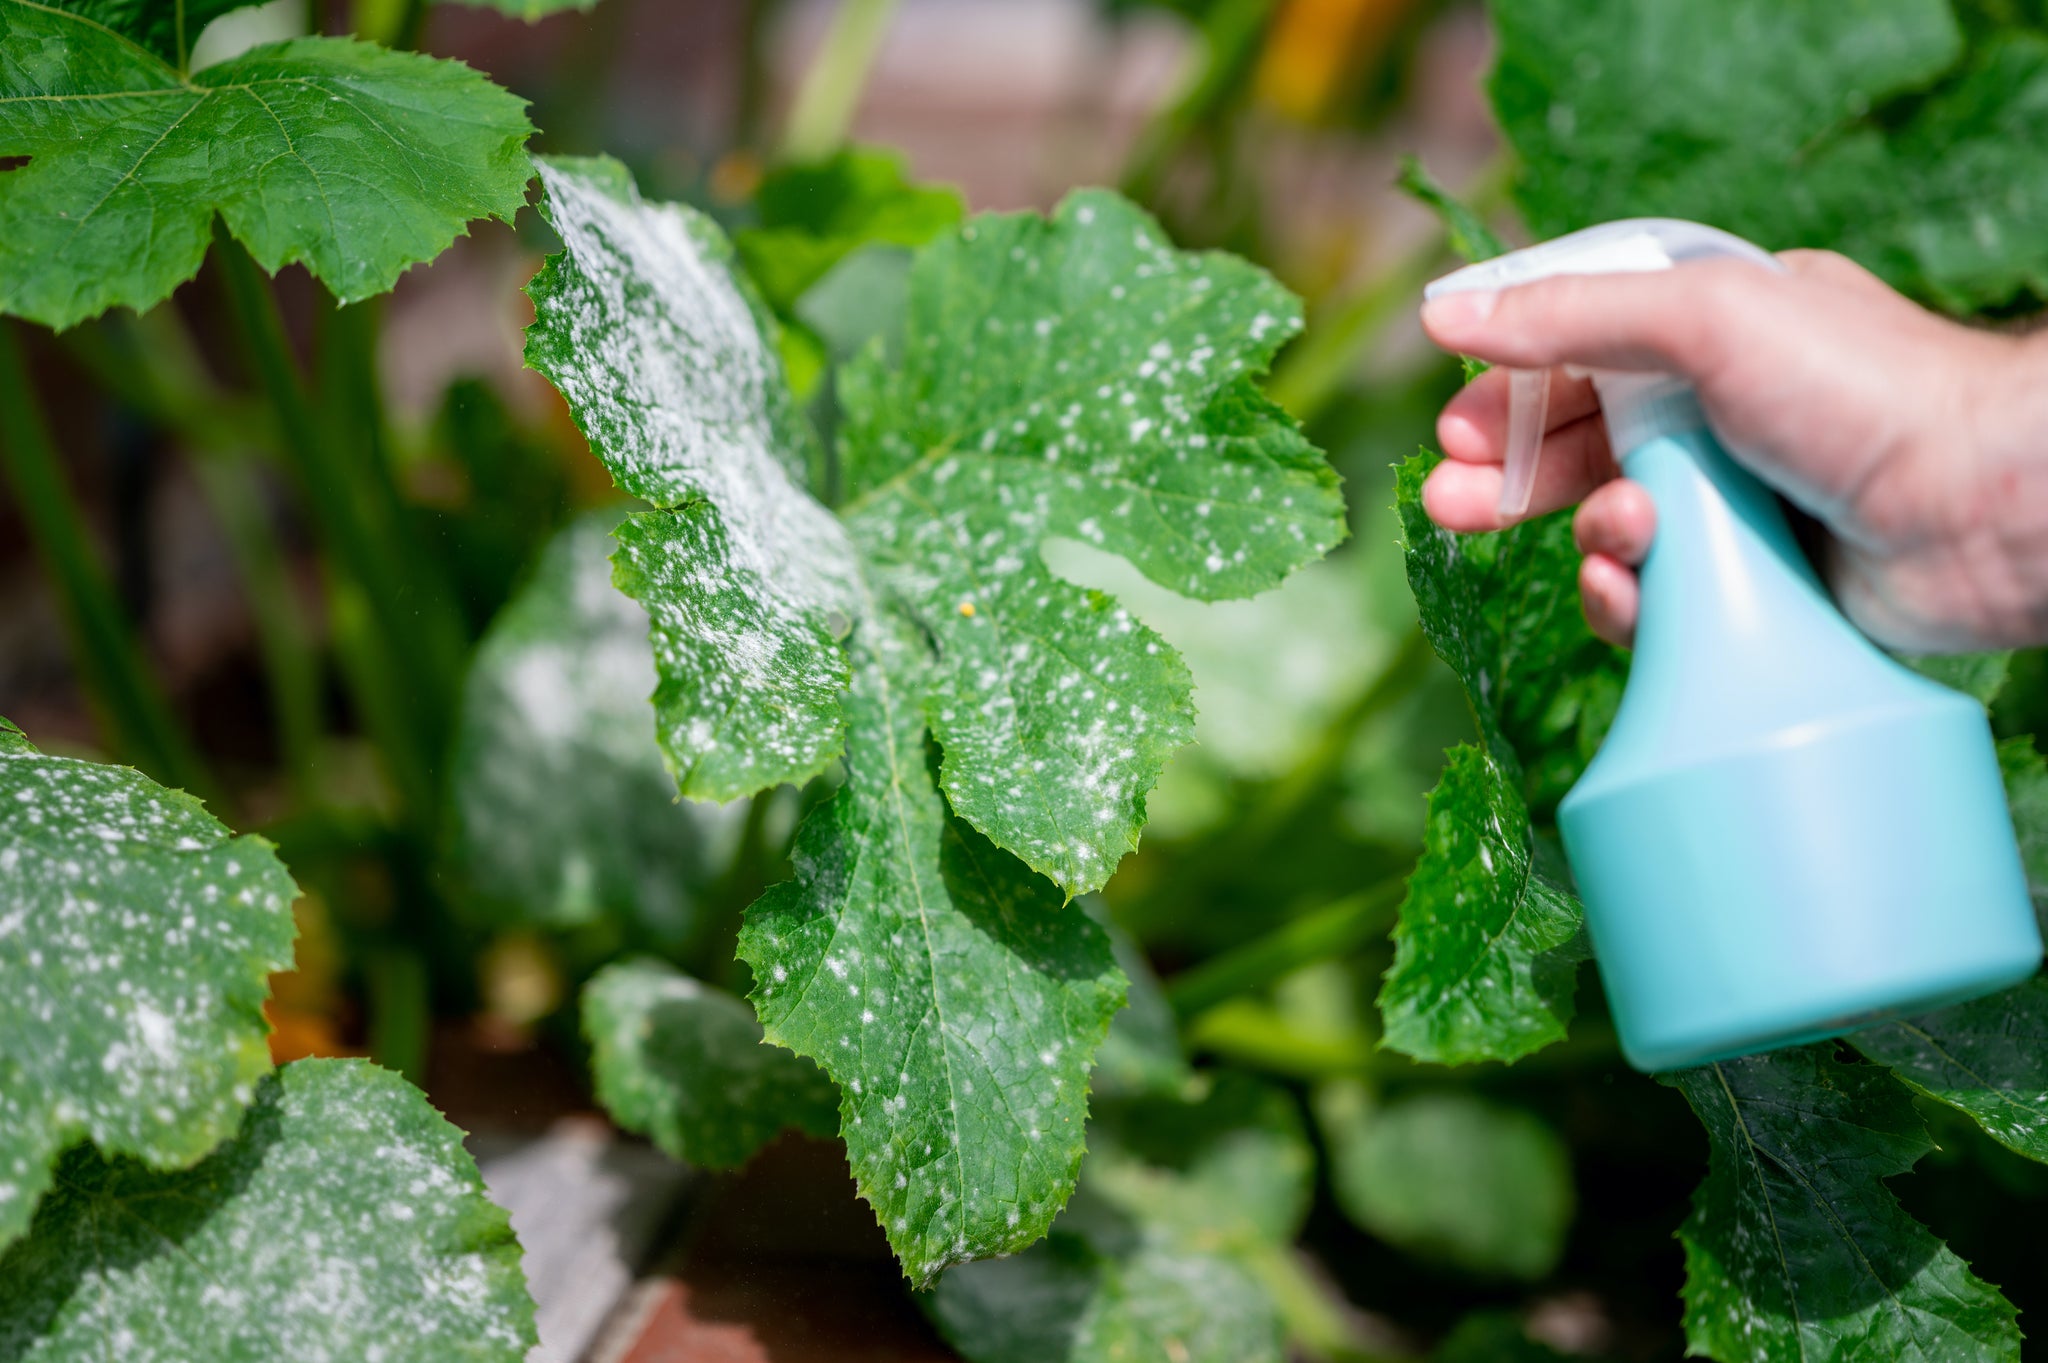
x=1920, y=444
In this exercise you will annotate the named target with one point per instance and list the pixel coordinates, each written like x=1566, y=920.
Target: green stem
x=152, y=365
x=375, y=624
x=1231, y=37
x=401, y=1010
x=1334, y=930
x=110, y=658
x=412, y=26
x=1318, y=1322
x=831, y=89
x=1315, y=370
x=291, y=661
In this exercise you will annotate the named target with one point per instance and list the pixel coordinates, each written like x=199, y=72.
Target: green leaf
x=667, y=364
x=1450, y=1177
x=1793, y=124
x=1981, y=676
x=1987, y=1058
x=814, y=214
x=137, y=938
x=562, y=809
x=2026, y=792
x=1503, y=610
x=954, y=996
x=168, y=30
x=1469, y=235
x=350, y=159
x=1156, y=1258
x=1078, y=377
x=1487, y=951
x=1795, y=1249
x=684, y=1064
x=1490, y=938
x=975, y=994
x=345, y=1221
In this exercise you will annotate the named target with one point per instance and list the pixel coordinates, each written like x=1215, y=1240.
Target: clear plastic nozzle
x=1632, y=246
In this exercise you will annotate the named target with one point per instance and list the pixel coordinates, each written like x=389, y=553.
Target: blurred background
x=1274, y=128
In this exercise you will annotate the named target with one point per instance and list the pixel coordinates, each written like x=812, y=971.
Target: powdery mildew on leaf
x=1795, y=1251
x=1073, y=376
x=685, y=1065
x=344, y=1224
x=563, y=812
x=351, y=159
x=669, y=369
x=136, y=941
x=1987, y=1058
x=1488, y=946
x=954, y=996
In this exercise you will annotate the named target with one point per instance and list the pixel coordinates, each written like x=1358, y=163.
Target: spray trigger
x=1528, y=411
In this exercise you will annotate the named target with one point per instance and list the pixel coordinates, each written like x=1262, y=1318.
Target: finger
x=1474, y=423
x=1465, y=496
x=1832, y=267
x=1684, y=320
x=1617, y=520
x=1611, y=596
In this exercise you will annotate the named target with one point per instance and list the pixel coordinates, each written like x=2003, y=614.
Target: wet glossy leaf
x=344, y=1223
x=350, y=159
x=1487, y=951
x=1988, y=1058
x=137, y=937
x=1795, y=1249
x=684, y=1064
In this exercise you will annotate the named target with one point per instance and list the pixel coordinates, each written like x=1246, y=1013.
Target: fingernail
x=1456, y=312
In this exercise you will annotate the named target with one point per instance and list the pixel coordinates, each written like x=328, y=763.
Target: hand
x=1921, y=445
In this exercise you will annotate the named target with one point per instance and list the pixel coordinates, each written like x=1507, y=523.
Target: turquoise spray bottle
x=1786, y=834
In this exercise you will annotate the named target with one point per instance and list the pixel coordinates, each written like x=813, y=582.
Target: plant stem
x=826, y=100
x=1318, y=1321
x=110, y=658
x=377, y=624
x=291, y=663
x=1333, y=930
x=151, y=365
x=400, y=1010
x=1231, y=35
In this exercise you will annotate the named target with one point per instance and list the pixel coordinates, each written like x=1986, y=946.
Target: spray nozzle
x=1632, y=246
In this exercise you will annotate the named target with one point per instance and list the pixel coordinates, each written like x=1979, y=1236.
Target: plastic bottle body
x=1786, y=834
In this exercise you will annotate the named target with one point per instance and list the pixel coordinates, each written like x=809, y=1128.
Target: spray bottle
x=1786, y=834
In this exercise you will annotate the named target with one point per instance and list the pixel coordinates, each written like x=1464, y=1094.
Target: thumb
x=1682, y=321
